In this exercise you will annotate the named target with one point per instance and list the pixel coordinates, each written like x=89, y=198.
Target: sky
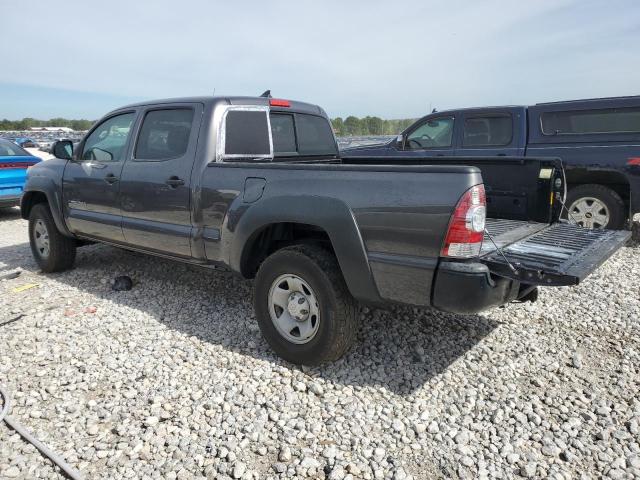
x=393, y=59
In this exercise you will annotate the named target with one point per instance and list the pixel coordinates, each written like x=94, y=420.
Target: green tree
x=81, y=124
x=27, y=123
x=59, y=122
x=375, y=126
x=338, y=126
x=352, y=126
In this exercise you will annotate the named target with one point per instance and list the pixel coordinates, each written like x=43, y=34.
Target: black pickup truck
x=256, y=185
x=598, y=141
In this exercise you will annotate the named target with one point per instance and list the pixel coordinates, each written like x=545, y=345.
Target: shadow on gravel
x=399, y=350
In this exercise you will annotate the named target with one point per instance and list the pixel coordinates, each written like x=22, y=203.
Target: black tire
x=338, y=318
x=62, y=249
x=610, y=198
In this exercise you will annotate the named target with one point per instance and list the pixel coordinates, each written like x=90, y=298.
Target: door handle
x=174, y=182
x=111, y=179
x=501, y=154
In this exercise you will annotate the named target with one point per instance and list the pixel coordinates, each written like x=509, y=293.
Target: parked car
x=598, y=141
x=25, y=142
x=14, y=162
x=257, y=185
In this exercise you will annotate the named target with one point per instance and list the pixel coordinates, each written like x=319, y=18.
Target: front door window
x=108, y=141
x=434, y=133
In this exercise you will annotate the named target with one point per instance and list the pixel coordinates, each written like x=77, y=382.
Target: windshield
x=10, y=149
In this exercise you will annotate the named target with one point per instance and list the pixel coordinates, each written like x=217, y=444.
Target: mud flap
x=557, y=255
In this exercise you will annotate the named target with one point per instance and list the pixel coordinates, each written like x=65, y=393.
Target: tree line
x=348, y=127
x=354, y=126
x=27, y=123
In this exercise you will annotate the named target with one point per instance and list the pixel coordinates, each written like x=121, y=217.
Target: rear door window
x=487, y=131
x=8, y=149
x=246, y=134
x=586, y=122
x=164, y=134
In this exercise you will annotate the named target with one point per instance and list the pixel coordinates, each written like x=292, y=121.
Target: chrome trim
x=222, y=130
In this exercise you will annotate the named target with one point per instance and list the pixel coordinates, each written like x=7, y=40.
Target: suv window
x=247, y=133
x=108, y=141
x=487, y=131
x=301, y=134
x=606, y=120
x=434, y=133
x=164, y=134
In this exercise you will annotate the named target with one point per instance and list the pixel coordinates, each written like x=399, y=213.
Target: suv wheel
x=303, y=306
x=595, y=206
x=52, y=251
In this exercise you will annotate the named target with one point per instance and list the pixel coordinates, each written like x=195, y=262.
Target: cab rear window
x=301, y=134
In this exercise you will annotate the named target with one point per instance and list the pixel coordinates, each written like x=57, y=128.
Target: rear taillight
x=466, y=227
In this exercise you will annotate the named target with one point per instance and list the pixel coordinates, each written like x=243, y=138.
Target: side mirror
x=400, y=140
x=63, y=149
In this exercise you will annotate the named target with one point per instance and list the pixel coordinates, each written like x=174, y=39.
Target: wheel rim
x=294, y=309
x=41, y=238
x=589, y=212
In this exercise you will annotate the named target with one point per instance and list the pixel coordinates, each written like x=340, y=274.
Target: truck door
x=491, y=132
x=155, y=191
x=91, y=182
x=431, y=137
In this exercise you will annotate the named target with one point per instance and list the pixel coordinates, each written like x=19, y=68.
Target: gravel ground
x=173, y=380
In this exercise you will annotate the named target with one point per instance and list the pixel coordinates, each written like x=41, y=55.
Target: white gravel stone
x=173, y=380
x=285, y=455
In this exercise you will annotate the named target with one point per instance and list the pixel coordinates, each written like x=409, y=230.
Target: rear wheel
x=303, y=306
x=52, y=251
x=595, y=206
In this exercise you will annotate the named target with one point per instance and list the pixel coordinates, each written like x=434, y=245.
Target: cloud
x=391, y=59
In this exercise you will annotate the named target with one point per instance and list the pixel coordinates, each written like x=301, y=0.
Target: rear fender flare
x=333, y=216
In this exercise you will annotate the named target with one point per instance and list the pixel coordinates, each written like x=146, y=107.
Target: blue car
x=24, y=142
x=14, y=162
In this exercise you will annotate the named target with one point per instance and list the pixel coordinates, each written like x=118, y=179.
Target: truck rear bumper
x=470, y=288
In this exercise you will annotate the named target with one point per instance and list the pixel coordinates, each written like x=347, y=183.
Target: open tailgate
x=554, y=255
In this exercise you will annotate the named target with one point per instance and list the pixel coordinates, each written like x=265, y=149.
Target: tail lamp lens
x=466, y=227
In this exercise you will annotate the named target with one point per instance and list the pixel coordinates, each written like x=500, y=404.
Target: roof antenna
x=266, y=94
x=434, y=110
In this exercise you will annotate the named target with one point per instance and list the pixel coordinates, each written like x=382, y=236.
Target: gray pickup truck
x=256, y=185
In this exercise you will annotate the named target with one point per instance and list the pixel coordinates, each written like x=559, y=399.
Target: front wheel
x=303, y=306
x=52, y=251
x=595, y=206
